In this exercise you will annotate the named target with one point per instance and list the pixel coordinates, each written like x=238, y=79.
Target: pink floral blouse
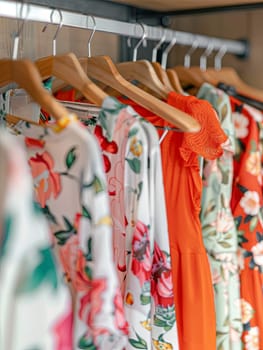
x=70, y=186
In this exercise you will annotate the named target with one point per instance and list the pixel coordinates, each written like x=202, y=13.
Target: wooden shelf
x=174, y=5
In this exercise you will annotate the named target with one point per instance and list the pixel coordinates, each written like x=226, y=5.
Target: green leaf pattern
x=165, y=318
x=63, y=235
x=135, y=164
x=71, y=157
x=44, y=272
x=6, y=232
x=220, y=228
x=86, y=344
x=138, y=343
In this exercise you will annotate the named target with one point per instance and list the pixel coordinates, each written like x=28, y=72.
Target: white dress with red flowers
x=35, y=304
x=132, y=164
x=70, y=186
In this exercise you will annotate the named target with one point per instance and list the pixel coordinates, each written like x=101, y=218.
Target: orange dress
x=194, y=299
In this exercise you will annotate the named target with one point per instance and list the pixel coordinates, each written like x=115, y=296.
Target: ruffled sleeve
x=209, y=140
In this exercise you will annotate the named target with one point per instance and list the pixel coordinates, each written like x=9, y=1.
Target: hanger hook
x=166, y=52
x=20, y=29
x=219, y=56
x=156, y=48
x=144, y=36
x=92, y=33
x=187, y=57
x=54, y=40
x=203, y=58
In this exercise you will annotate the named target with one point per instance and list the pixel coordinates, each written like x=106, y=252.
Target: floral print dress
x=192, y=281
x=35, y=304
x=218, y=228
x=70, y=187
x=246, y=204
x=132, y=162
x=162, y=285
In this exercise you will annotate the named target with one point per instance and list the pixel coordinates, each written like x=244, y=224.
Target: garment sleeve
x=139, y=245
x=208, y=141
x=163, y=318
x=36, y=309
x=101, y=306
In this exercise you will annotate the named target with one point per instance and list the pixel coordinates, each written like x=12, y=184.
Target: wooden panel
x=224, y=25
x=170, y=5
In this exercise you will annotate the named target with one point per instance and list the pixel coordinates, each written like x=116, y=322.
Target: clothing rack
x=15, y=10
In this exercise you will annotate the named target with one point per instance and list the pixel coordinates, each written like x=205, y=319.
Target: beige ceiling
x=169, y=5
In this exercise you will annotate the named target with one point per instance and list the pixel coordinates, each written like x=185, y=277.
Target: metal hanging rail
x=15, y=10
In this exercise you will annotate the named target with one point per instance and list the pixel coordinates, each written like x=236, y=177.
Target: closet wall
x=37, y=43
x=232, y=25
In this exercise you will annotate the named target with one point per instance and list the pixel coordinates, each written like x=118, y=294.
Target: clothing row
x=71, y=188
x=153, y=256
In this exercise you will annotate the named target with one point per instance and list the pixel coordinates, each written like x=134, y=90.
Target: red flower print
x=64, y=332
x=107, y=163
x=78, y=217
x=161, y=284
x=141, y=262
x=74, y=264
x=83, y=280
x=31, y=143
x=67, y=254
x=120, y=321
x=46, y=181
x=106, y=146
x=91, y=306
x=121, y=268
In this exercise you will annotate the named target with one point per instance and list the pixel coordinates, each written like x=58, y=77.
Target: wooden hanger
x=191, y=79
x=26, y=75
x=188, y=76
x=170, y=80
x=103, y=69
x=174, y=80
x=160, y=71
x=143, y=72
x=162, y=75
x=195, y=76
x=67, y=68
x=230, y=76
